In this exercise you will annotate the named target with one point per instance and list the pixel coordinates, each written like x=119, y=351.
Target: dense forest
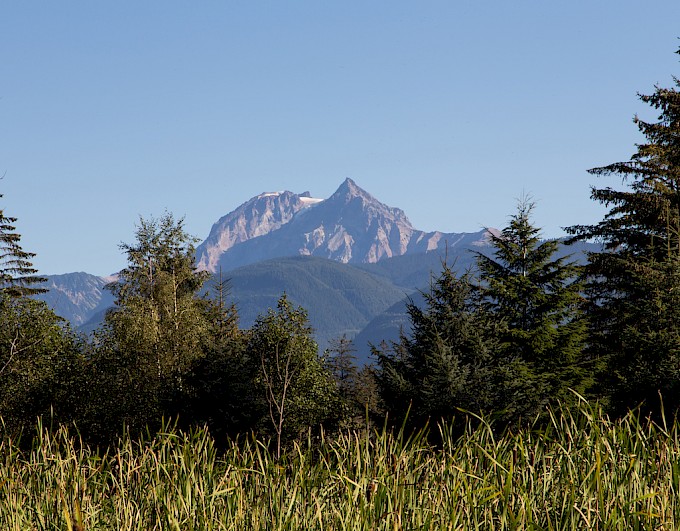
x=519, y=333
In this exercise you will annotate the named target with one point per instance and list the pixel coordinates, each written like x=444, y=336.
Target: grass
x=581, y=471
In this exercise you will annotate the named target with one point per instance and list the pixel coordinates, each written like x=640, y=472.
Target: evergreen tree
x=633, y=282
x=537, y=300
x=158, y=310
x=446, y=362
x=357, y=388
x=341, y=362
x=366, y=397
x=17, y=274
x=40, y=359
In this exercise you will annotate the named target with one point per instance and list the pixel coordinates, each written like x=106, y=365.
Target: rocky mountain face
x=77, y=297
x=257, y=217
x=351, y=226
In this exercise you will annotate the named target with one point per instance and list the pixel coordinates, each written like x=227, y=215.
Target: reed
x=579, y=471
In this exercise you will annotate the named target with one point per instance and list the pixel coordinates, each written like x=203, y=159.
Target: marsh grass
x=578, y=471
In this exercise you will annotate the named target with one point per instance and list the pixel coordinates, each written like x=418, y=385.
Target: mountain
x=340, y=298
x=349, y=260
x=77, y=297
x=351, y=226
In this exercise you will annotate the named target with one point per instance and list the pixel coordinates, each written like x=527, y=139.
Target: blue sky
x=448, y=110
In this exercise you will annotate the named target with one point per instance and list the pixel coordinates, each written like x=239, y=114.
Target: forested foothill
x=498, y=348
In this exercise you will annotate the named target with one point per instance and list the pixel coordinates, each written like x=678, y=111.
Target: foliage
x=341, y=362
x=17, y=274
x=298, y=391
x=157, y=312
x=635, y=321
x=219, y=391
x=157, y=331
x=40, y=363
x=536, y=298
x=358, y=404
x=39, y=356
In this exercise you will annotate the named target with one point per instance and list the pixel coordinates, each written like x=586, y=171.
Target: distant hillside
x=385, y=327
x=415, y=272
x=340, y=299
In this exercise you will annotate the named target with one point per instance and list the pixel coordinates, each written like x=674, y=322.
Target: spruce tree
x=537, y=300
x=633, y=283
x=341, y=362
x=446, y=362
x=17, y=274
x=356, y=386
x=40, y=360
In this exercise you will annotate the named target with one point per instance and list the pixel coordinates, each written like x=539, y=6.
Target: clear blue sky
x=449, y=110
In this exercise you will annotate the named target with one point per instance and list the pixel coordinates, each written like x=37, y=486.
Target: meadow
x=577, y=471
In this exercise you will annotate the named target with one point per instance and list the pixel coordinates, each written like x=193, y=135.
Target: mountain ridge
x=351, y=226
x=267, y=212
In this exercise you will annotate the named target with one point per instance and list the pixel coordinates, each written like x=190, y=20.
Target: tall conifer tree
x=634, y=282
x=158, y=330
x=158, y=310
x=537, y=300
x=39, y=356
x=17, y=274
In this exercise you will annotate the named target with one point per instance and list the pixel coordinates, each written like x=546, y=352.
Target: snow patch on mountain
x=310, y=200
